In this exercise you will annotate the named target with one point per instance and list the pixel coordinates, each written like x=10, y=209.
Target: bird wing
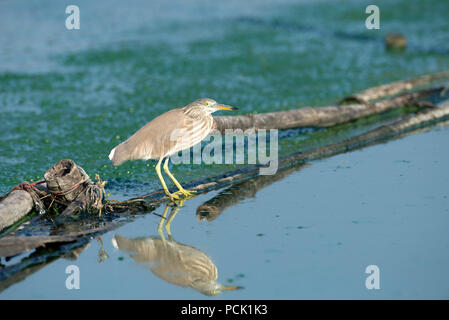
x=165, y=135
x=193, y=131
x=155, y=139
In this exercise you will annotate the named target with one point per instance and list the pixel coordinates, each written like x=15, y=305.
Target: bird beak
x=230, y=288
x=225, y=107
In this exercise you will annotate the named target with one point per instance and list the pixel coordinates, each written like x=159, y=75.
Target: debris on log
x=66, y=187
x=395, y=41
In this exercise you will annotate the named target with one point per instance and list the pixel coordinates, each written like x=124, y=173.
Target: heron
x=174, y=262
x=167, y=134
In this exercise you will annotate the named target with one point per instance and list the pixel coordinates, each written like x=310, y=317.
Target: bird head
x=210, y=105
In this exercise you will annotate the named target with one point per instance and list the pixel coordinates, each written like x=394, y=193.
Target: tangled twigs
x=97, y=189
x=34, y=193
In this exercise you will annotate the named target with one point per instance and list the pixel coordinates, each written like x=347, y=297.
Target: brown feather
x=173, y=131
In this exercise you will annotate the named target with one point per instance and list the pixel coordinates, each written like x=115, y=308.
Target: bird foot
x=173, y=196
x=188, y=194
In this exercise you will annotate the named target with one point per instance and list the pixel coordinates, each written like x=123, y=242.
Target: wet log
x=319, y=117
x=66, y=179
x=15, y=206
x=393, y=88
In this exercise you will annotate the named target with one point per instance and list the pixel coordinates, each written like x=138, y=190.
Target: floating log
x=319, y=117
x=15, y=206
x=393, y=88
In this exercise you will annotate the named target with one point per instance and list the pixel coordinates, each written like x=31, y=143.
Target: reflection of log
x=12, y=245
x=37, y=260
x=212, y=208
x=14, y=276
x=15, y=206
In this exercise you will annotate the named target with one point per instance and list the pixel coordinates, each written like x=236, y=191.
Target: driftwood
x=320, y=117
x=389, y=89
x=309, y=117
x=14, y=207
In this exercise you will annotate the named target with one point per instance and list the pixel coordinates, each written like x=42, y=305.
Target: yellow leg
x=171, y=217
x=186, y=193
x=173, y=197
x=159, y=226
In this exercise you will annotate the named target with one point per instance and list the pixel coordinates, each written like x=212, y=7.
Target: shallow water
x=309, y=235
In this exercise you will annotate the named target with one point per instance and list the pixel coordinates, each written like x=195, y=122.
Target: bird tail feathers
x=117, y=155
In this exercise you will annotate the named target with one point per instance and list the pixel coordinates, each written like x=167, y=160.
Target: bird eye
x=207, y=103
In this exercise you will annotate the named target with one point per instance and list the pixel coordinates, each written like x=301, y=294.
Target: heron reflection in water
x=172, y=261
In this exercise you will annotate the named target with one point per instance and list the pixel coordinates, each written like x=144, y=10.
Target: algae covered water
x=309, y=234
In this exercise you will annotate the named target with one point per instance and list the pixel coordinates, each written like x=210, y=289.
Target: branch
x=309, y=117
